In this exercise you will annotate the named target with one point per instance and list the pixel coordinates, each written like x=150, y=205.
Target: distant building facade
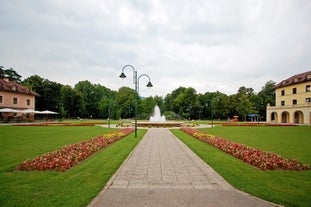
x=293, y=101
x=15, y=96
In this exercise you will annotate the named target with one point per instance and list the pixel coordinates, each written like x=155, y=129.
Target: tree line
x=88, y=100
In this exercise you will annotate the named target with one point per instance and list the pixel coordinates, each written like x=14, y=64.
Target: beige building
x=292, y=101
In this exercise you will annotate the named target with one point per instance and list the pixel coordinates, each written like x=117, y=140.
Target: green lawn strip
x=289, y=188
x=289, y=142
x=75, y=187
x=18, y=143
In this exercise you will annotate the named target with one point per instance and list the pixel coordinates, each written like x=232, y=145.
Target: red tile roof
x=299, y=78
x=13, y=87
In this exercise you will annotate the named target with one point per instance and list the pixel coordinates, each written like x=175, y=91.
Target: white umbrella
x=9, y=110
x=47, y=112
x=30, y=111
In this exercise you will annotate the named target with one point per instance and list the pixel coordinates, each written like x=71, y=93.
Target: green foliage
x=72, y=102
x=125, y=100
x=49, y=91
x=146, y=107
x=10, y=73
x=289, y=188
x=87, y=100
x=75, y=187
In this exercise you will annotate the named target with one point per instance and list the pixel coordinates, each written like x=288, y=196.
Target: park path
x=163, y=171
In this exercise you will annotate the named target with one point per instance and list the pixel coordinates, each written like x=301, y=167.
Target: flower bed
x=254, y=124
x=59, y=124
x=228, y=123
x=70, y=155
x=255, y=157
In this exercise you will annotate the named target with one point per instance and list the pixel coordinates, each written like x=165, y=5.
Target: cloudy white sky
x=209, y=45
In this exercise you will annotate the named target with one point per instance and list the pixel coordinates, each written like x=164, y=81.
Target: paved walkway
x=162, y=171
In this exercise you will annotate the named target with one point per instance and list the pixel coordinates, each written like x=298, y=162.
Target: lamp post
x=213, y=109
x=109, y=111
x=136, y=83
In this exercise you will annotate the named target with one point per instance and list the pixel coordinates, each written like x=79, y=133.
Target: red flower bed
x=255, y=157
x=70, y=155
x=255, y=124
x=58, y=124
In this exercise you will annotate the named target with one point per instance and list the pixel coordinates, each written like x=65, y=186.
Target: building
x=292, y=101
x=16, y=96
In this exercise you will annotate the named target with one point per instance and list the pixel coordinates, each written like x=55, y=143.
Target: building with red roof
x=293, y=100
x=16, y=96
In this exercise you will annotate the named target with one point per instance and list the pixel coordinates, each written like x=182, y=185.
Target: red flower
x=69, y=155
x=255, y=157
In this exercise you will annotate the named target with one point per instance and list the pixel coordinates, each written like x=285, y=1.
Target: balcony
x=289, y=106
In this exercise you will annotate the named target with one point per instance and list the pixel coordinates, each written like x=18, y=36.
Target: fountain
x=157, y=115
x=158, y=120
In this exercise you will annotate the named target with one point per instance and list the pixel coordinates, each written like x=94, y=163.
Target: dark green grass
x=289, y=188
x=75, y=187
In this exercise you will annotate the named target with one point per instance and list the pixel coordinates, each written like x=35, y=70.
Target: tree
x=245, y=106
x=107, y=102
x=183, y=101
x=72, y=101
x=125, y=102
x=213, y=102
x=231, y=106
x=49, y=92
x=247, y=91
x=267, y=96
x=146, y=107
x=87, y=90
x=11, y=74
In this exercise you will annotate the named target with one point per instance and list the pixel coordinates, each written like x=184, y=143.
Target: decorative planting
x=59, y=124
x=254, y=124
x=255, y=157
x=70, y=155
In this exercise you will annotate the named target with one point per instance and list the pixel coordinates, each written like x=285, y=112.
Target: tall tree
x=72, y=101
x=245, y=106
x=231, y=106
x=11, y=74
x=49, y=92
x=146, y=107
x=267, y=96
x=183, y=101
x=125, y=102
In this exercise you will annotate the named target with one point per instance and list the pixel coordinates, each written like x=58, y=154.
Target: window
x=1, y=99
x=282, y=103
x=295, y=102
x=28, y=102
x=15, y=100
x=294, y=90
x=14, y=88
x=308, y=100
x=283, y=93
x=308, y=89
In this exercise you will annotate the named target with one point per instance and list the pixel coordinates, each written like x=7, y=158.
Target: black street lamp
x=136, y=83
x=213, y=109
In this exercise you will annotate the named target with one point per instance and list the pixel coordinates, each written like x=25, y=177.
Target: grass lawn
x=289, y=188
x=75, y=187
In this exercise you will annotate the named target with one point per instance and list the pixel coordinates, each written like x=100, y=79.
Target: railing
x=290, y=106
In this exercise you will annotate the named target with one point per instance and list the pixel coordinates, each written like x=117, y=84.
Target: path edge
x=110, y=181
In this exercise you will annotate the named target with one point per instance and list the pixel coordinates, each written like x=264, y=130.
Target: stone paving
x=163, y=171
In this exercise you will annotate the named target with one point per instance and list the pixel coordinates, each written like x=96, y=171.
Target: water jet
x=158, y=120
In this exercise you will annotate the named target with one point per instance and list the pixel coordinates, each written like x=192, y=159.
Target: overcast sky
x=209, y=45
